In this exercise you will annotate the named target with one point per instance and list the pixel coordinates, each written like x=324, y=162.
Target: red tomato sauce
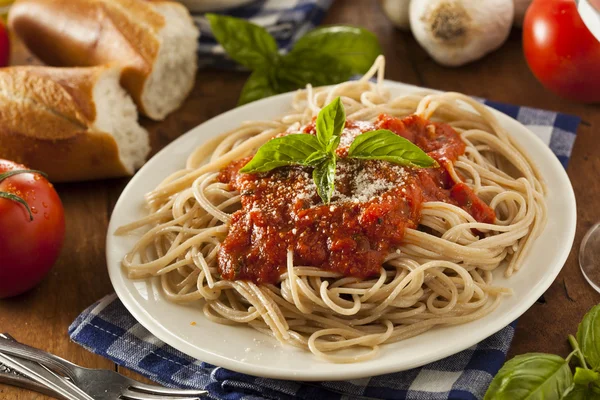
x=373, y=204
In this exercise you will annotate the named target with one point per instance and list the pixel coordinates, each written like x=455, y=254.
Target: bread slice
x=174, y=70
x=72, y=123
x=155, y=42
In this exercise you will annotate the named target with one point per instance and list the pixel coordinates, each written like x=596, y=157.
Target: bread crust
x=47, y=120
x=92, y=32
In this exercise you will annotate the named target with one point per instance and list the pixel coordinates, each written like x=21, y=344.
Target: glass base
x=589, y=256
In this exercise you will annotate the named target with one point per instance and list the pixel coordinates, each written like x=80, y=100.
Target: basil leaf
x=355, y=47
x=316, y=158
x=531, y=376
x=387, y=146
x=259, y=85
x=585, y=376
x=324, y=177
x=286, y=150
x=588, y=336
x=580, y=392
x=305, y=66
x=330, y=124
x=577, y=350
x=247, y=43
x=289, y=74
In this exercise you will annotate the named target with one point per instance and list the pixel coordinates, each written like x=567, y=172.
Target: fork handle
x=12, y=379
x=55, y=363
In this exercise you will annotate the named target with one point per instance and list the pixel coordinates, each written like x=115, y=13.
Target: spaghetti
x=440, y=274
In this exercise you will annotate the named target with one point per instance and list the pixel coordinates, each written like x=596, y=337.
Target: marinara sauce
x=374, y=202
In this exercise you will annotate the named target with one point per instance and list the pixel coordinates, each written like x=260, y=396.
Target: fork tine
x=152, y=389
x=131, y=395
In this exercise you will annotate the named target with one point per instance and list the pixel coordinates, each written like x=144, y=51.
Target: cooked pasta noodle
x=441, y=274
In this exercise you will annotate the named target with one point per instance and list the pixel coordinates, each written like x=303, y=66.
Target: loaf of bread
x=155, y=42
x=72, y=123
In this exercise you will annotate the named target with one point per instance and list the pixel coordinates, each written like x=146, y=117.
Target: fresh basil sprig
x=323, y=56
x=355, y=47
x=324, y=177
x=581, y=392
x=246, y=43
x=292, y=149
x=307, y=150
x=387, y=146
x=330, y=124
x=539, y=376
x=319, y=151
x=530, y=375
x=588, y=337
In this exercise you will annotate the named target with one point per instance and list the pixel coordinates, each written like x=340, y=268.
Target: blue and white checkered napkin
x=286, y=20
x=107, y=328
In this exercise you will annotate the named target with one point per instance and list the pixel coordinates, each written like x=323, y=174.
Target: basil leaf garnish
x=247, y=43
x=585, y=376
x=581, y=392
x=319, y=151
x=588, y=336
x=387, y=146
x=286, y=150
x=312, y=66
x=258, y=86
x=356, y=47
x=531, y=376
x=324, y=177
x=330, y=124
x=308, y=150
x=316, y=158
x=324, y=56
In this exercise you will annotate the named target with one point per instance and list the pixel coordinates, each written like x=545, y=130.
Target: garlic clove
x=397, y=12
x=456, y=32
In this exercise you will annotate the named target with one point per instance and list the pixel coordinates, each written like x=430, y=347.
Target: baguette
x=72, y=123
x=154, y=42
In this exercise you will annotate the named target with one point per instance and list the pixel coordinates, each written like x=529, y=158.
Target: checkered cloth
x=286, y=20
x=107, y=328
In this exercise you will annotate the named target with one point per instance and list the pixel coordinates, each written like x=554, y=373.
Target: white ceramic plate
x=246, y=350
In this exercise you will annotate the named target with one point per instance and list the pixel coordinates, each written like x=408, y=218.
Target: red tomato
x=4, y=45
x=561, y=51
x=28, y=247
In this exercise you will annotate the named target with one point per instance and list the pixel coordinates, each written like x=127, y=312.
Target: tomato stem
x=8, y=174
x=14, y=197
x=18, y=199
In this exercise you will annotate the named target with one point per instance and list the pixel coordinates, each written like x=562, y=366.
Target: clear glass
x=589, y=256
x=589, y=252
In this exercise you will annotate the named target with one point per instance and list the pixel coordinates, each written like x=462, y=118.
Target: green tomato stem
x=21, y=171
x=14, y=197
x=18, y=199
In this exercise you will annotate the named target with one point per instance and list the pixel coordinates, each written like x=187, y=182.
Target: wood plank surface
x=42, y=316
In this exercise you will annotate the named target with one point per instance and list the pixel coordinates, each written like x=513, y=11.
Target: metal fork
x=33, y=376
x=98, y=383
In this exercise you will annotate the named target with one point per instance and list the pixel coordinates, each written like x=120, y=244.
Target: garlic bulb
x=455, y=32
x=520, y=8
x=397, y=12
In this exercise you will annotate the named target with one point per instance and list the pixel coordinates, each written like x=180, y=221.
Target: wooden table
x=41, y=317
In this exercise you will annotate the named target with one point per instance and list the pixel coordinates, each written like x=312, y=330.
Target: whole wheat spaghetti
x=440, y=274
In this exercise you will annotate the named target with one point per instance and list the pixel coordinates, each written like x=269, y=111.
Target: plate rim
x=267, y=371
